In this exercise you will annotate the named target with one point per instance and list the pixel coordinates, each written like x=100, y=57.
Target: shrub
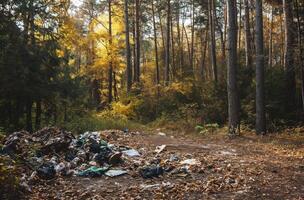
x=98, y=122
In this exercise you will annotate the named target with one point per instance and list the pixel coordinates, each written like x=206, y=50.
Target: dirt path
x=242, y=168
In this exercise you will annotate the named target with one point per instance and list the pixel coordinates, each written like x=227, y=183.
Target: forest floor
x=245, y=167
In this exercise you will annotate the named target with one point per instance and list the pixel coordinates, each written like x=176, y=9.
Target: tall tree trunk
x=162, y=33
x=115, y=86
x=233, y=96
x=95, y=92
x=247, y=36
x=180, y=49
x=173, y=68
x=65, y=114
x=253, y=27
x=128, y=47
x=192, y=37
x=289, y=53
x=110, y=71
x=55, y=114
x=260, y=104
x=189, y=48
x=212, y=18
x=155, y=47
x=270, y=39
x=29, y=123
x=134, y=50
x=240, y=25
x=137, y=18
x=223, y=45
x=225, y=31
x=301, y=56
x=204, y=52
x=38, y=114
x=282, y=33
x=16, y=114
x=167, y=69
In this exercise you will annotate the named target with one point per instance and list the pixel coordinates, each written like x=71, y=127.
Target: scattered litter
x=53, y=140
x=227, y=153
x=162, y=134
x=131, y=153
x=93, y=163
x=160, y=149
x=46, y=171
x=60, y=167
x=93, y=172
x=143, y=186
x=190, y=162
x=115, y=158
x=114, y=173
x=164, y=184
x=174, y=158
x=151, y=171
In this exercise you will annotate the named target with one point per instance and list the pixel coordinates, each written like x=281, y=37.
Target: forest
x=169, y=98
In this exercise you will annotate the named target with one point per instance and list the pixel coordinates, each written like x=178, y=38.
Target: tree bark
x=137, y=44
x=134, y=49
x=191, y=60
x=233, y=97
x=253, y=27
x=247, y=36
x=167, y=69
x=115, y=86
x=29, y=123
x=301, y=56
x=173, y=64
x=212, y=18
x=289, y=53
x=260, y=102
x=240, y=25
x=189, y=50
x=270, y=39
x=155, y=47
x=180, y=49
x=282, y=33
x=38, y=115
x=204, y=52
x=110, y=71
x=128, y=47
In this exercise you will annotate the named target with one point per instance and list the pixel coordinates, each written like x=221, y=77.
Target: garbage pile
x=51, y=152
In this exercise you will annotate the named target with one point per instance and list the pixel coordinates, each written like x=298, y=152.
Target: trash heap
x=51, y=152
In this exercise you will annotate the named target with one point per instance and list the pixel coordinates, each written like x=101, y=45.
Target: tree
x=191, y=46
x=167, y=61
x=247, y=36
x=155, y=47
x=233, y=97
x=110, y=70
x=128, y=47
x=212, y=18
x=300, y=46
x=289, y=56
x=270, y=50
x=260, y=104
x=137, y=42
